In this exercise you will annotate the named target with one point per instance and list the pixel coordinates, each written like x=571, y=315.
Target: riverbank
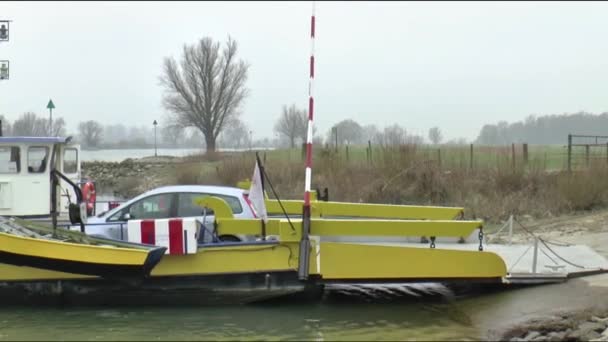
x=491, y=194
x=576, y=310
x=129, y=177
x=584, y=325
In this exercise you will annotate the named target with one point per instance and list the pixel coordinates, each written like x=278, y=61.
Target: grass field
x=492, y=189
x=544, y=157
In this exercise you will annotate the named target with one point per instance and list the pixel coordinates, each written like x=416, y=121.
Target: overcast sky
x=456, y=65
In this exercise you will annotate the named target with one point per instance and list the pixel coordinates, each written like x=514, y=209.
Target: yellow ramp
x=345, y=261
x=346, y=209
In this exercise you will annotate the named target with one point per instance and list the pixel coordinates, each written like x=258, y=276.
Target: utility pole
x=155, y=152
x=50, y=107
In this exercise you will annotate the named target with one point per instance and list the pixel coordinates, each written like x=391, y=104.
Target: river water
x=350, y=316
x=277, y=321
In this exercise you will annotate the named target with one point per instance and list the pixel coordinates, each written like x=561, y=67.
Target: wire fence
x=576, y=155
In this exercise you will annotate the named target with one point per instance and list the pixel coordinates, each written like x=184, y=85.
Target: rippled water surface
x=411, y=312
x=269, y=322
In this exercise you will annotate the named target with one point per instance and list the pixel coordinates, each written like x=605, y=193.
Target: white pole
x=510, y=229
x=535, y=258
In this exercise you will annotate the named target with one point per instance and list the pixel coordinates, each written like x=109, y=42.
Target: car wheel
x=229, y=238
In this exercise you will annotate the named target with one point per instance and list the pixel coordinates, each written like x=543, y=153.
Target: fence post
x=569, y=152
x=471, y=158
x=303, y=151
x=346, y=152
x=513, y=155
x=336, y=137
x=587, y=154
x=607, y=152
x=369, y=144
x=439, y=157
x=525, y=148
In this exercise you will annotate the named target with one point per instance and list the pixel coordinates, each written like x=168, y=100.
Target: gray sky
x=454, y=65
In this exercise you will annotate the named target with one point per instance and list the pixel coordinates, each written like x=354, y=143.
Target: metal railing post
x=510, y=229
x=535, y=257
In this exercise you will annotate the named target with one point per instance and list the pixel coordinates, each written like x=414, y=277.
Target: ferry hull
x=77, y=258
x=241, y=288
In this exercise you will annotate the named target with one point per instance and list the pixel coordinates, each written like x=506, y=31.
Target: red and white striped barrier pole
x=305, y=241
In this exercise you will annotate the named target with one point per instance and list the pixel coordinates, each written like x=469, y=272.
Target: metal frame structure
x=596, y=141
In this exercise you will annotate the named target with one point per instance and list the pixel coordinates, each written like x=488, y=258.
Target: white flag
x=256, y=194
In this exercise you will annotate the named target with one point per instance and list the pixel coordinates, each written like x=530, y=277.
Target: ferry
x=180, y=260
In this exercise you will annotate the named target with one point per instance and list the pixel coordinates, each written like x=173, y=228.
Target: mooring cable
x=265, y=175
x=546, y=245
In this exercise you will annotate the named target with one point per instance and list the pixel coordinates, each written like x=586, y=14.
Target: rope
x=489, y=237
x=562, y=259
x=548, y=256
x=546, y=245
x=519, y=259
x=265, y=175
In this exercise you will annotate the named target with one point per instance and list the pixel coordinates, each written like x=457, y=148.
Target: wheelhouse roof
x=35, y=140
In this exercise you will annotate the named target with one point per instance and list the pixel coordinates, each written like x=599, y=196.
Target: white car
x=168, y=202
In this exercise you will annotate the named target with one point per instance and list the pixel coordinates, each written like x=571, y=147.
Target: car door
x=157, y=206
x=187, y=207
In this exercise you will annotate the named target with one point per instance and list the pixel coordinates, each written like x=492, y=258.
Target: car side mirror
x=126, y=217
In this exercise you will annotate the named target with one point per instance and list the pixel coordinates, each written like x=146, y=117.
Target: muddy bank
x=585, y=325
x=576, y=310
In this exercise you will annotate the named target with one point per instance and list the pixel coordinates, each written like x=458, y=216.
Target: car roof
x=225, y=190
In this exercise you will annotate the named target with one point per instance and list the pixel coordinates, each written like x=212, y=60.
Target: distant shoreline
x=178, y=148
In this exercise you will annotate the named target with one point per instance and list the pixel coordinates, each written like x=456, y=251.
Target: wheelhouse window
x=37, y=159
x=70, y=160
x=10, y=159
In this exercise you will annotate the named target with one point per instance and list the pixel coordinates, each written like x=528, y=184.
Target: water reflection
x=362, y=312
x=335, y=318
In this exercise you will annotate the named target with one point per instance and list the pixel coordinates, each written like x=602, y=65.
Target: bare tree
x=236, y=135
x=435, y=135
x=292, y=124
x=206, y=89
x=6, y=126
x=172, y=135
x=90, y=132
x=394, y=135
x=370, y=133
x=29, y=124
x=116, y=133
x=349, y=132
x=58, y=129
x=193, y=138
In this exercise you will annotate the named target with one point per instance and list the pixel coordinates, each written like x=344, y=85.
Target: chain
x=432, y=242
x=480, y=238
